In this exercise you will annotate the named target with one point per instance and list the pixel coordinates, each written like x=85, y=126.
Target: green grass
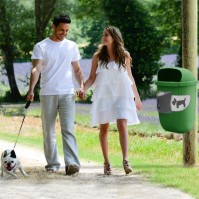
x=160, y=160
x=157, y=158
x=83, y=120
x=34, y=141
x=35, y=112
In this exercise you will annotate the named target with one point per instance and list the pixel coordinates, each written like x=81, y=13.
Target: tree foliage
x=169, y=23
x=20, y=28
x=148, y=31
x=43, y=13
x=13, y=40
x=141, y=37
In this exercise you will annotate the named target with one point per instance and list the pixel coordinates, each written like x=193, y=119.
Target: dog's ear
x=13, y=155
x=5, y=154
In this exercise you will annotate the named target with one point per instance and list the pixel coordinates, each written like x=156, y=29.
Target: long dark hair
x=118, y=48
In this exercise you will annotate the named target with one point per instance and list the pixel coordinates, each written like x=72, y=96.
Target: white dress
x=113, y=96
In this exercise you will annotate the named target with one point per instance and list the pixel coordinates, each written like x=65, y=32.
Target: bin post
x=189, y=61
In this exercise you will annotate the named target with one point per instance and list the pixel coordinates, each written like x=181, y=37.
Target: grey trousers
x=65, y=106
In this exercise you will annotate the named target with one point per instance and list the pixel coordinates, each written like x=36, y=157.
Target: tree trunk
x=10, y=73
x=7, y=48
x=43, y=12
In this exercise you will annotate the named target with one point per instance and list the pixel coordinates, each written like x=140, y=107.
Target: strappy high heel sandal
x=127, y=167
x=107, y=169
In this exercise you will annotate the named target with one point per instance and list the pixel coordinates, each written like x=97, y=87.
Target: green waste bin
x=176, y=99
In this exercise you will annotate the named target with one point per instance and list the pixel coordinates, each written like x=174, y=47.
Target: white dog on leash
x=9, y=163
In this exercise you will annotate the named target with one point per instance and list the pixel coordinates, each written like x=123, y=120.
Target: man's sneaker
x=71, y=169
x=51, y=170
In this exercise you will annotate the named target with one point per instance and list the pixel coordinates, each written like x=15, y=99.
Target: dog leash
x=26, y=107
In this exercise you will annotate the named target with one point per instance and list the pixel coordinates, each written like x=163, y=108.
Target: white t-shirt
x=56, y=72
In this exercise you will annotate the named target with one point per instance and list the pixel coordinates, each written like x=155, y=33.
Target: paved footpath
x=89, y=183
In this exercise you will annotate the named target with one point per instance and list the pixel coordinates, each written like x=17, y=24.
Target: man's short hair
x=61, y=19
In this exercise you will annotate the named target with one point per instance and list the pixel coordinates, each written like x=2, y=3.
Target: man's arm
x=34, y=77
x=79, y=77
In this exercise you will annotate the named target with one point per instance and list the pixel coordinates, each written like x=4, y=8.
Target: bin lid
x=175, y=74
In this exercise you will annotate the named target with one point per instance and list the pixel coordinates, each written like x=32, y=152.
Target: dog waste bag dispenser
x=176, y=99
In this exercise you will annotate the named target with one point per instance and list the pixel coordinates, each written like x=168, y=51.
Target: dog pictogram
x=177, y=103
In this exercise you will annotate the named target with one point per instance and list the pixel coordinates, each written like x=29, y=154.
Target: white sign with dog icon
x=180, y=102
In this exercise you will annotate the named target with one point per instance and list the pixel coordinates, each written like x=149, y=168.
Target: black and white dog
x=9, y=163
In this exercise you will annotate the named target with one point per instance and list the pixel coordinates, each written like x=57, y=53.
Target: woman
x=115, y=97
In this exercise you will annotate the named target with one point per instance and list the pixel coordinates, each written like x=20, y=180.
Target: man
x=55, y=58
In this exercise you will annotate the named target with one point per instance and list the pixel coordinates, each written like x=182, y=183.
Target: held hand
x=81, y=94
